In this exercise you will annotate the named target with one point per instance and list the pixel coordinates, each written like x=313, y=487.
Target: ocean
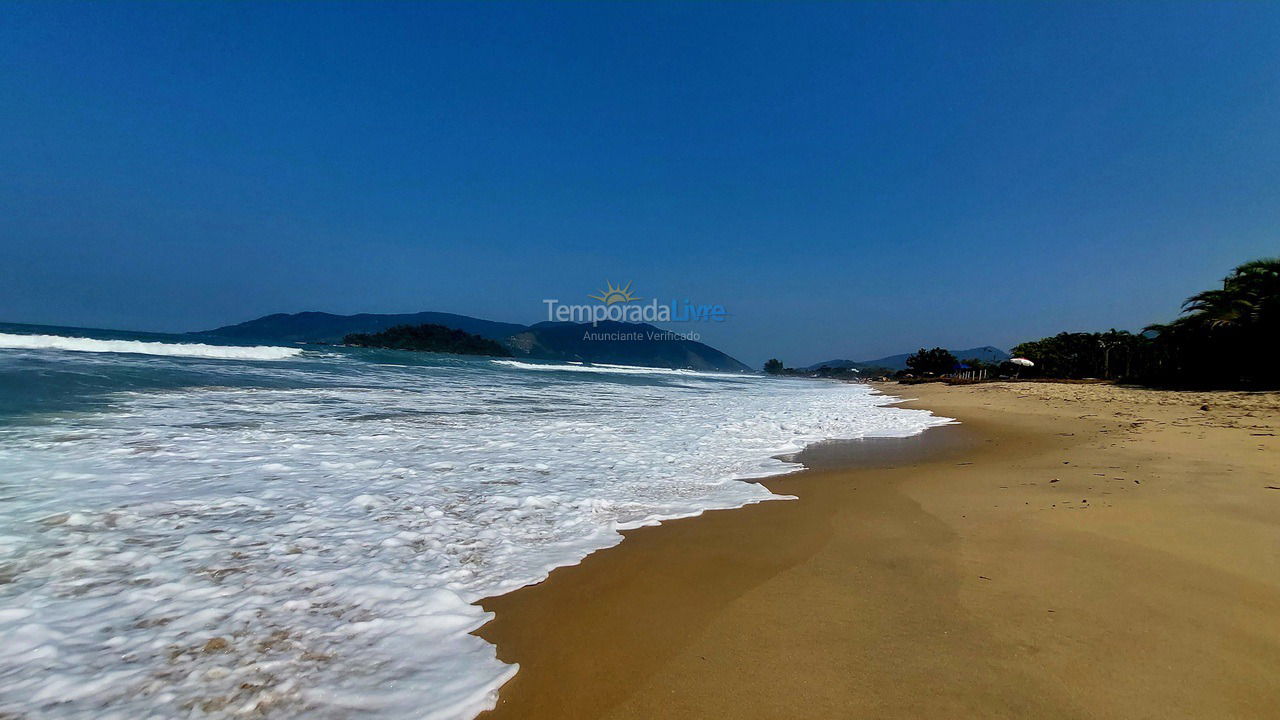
x=193, y=529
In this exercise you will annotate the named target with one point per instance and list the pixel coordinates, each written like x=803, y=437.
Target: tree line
x=428, y=338
x=1226, y=337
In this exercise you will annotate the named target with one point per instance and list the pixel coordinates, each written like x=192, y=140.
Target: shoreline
x=948, y=575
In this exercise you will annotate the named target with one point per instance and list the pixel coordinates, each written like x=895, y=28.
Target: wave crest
x=138, y=347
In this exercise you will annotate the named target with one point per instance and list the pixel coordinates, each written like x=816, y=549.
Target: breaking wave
x=136, y=347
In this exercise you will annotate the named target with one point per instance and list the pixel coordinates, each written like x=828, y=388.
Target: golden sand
x=1068, y=551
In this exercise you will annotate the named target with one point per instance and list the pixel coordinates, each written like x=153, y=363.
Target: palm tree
x=1259, y=281
x=1262, y=270
x=1226, y=332
x=1249, y=297
x=1225, y=308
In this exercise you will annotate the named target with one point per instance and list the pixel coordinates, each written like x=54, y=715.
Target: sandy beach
x=1068, y=550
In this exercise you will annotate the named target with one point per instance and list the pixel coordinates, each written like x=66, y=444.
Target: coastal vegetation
x=428, y=338
x=1113, y=354
x=932, y=362
x=1225, y=337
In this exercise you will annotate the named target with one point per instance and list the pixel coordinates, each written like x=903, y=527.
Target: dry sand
x=1068, y=551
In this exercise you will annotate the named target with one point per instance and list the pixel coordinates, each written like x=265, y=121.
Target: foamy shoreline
x=312, y=537
x=1067, y=550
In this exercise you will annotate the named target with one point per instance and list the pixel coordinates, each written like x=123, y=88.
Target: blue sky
x=848, y=180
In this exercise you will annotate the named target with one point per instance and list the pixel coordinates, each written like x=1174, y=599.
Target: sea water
x=202, y=530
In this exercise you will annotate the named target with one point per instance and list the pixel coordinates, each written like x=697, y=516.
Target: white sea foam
x=316, y=552
x=198, y=350
x=607, y=368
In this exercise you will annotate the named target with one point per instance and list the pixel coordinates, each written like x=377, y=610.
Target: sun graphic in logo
x=611, y=294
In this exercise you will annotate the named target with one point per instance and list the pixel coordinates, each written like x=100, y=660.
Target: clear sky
x=847, y=180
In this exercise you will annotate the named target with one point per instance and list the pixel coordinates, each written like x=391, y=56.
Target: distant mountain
x=834, y=364
x=329, y=328
x=609, y=342
x=985, y=353
x=619, y=343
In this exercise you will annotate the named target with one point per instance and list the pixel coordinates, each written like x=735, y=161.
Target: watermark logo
x=618, y=303
x=611, y=294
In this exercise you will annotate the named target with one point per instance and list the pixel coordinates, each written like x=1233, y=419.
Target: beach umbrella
x=1022, y=361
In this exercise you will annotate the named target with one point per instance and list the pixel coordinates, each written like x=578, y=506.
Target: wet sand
x=1068, y=551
